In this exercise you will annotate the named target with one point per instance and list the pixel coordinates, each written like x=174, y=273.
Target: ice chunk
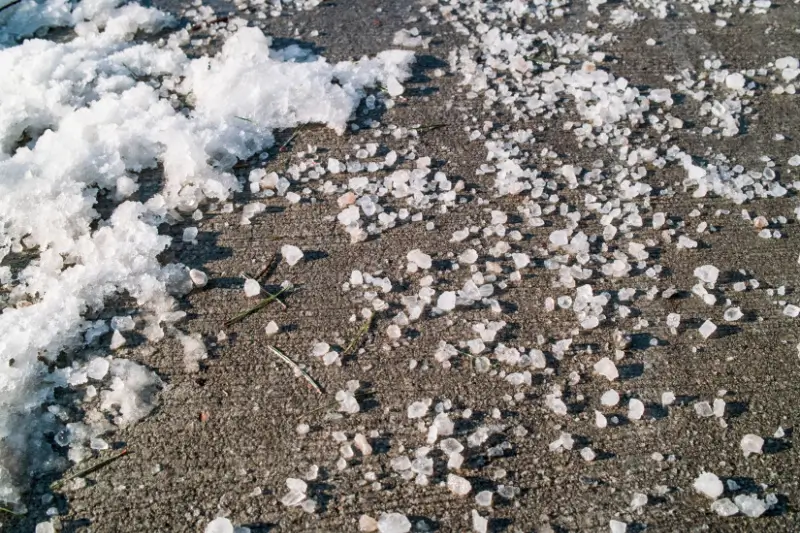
x=446, y=301
x=750, y=505
x=272, y=328
x=724, y=507
x=610, y=398
x=291, y=254
x=735, y=81
x=707, y=274
x=479, y=523
x=418, y=409
x=732, y=314
x=419, y=259
x=708, y=485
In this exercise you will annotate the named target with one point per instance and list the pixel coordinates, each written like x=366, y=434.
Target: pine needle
x=91, y=469
x=431, y=127
x=359, y=335
x=298, y=371
x=9, y=511
x=258, y=307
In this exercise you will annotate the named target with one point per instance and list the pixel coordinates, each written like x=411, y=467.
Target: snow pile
x=76, y=121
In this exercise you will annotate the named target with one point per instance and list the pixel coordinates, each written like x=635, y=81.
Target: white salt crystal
x=446, y=301
x=708, y=485
x=393, y=523
x=751, y=444
x=617, y=527
x=791, y=310
x=198, y=277
x=484, y=498
x=117, y=340
x=707, y=329
x=600, y=419
x=638, y=500
x=479, y=523
x=419, y=258
x=458, y=485
x=394, y=87
x=724, y=507
x=367, y=524
x=47, y=527
x=418, y=409
x=703, y=409
x=219, y=525
x=667, y=398
x=735, y=81
x=732, y=314
x=588, y=454
x=606, y=368
x=97, y=368
x=635, y=409
x=251, y=288
x=272, y=328
x=707, y=274
x=610, y=398
x=521, y=260
x=750, y=505
x=291, y=254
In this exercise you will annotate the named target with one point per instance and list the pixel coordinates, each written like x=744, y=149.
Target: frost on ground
x=77, y=124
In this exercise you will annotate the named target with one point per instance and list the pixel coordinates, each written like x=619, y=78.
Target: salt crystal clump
x=291, y=254
x=458, y=485
x=707, y=329
x=707, y=274
x=219, y=525
x=251, y=288
x=393, y=523
x=617, y=527
x=610, y=398
x=751, y=444
x=272, y=328
x=709, y=485
x=750, y=505
x=732, y=314
x=419, y=259
x=419, y=409
x=724, y=507
x=635, y=409
x=446, y=301
x=606, y=368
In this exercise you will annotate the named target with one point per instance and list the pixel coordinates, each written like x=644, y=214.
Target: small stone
x=367, y=524
x=198, y=277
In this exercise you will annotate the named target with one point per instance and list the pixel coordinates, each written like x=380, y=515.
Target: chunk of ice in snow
x=751, y=444
x=291, y=254
x=251, y=288
x=393, y=523
x=708, y=485
x=219, y=525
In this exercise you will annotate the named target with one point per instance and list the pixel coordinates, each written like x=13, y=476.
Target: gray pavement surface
x=219, y=435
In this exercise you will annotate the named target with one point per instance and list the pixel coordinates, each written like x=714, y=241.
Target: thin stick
x=269, y=268
x=299, y=371
x=15, y=2
x=91, y=469
x=280, y=302
x=431, y=127
x=258, y=307
x=9, y=511
x=359, y=334
x=290, y=139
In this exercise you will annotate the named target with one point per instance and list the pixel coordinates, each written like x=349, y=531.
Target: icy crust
x=88, y=115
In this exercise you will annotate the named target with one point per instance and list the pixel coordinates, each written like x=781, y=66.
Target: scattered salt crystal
x=707, y=329
x=458, y=485
x=117, y=340
x=418, y=409
x=735, y=81
x=393, y=523
x=724, y=507
x=251, y=288
x=588, y=454
x=394, y=87
x=47, y=527
x=272, y=328
x=751, y=444
x=707, y=274
x=606, y=368
x=446, y=301
x=635, y=409
x=198, y=277
x=610, y=398
x=709, y=485
x=791, y=310
x=484, y=498
x=600, y=419
x=732, y=314
x=617, y=527
x=667, y=398
x=219, y=525
x=291, y=254
x=703, y=409
x=367, y=524
x=479, y=523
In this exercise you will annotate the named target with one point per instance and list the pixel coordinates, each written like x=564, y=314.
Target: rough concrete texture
x=223, y=441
